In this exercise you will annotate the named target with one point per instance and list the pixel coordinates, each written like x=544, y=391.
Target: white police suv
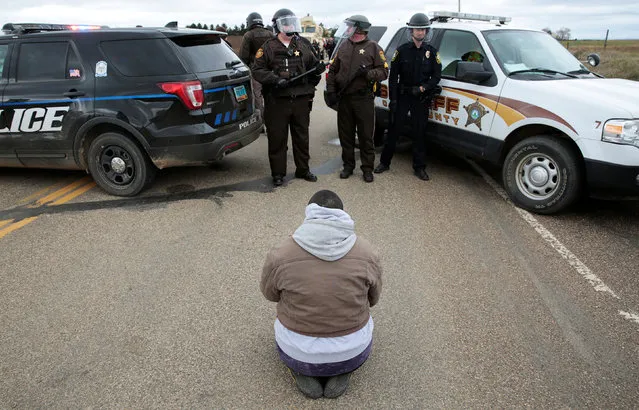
x=517, y=98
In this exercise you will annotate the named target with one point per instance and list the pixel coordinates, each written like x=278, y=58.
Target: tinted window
x=142, y=57
x=205, y=52
x=4, y=55
x=401, y=37
x=42, y=61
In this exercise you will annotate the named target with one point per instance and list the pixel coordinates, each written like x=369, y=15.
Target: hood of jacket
x=326, y=233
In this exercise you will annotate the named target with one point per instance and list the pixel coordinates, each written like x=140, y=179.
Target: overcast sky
x=585, y=18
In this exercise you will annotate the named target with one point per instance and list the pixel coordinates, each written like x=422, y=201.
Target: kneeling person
x=324, y=279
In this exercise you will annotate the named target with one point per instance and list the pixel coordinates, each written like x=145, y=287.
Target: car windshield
x=534, y=53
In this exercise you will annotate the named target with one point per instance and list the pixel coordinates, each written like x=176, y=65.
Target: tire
x=542, y=174
x=118, y=165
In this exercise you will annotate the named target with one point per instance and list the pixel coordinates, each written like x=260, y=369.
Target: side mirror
x=473, y=72
x=593, y=59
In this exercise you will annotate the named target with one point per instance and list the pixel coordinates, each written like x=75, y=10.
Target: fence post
x=606, y=40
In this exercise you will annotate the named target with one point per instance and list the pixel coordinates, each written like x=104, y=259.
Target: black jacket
x=412, y=66
x=252, y=41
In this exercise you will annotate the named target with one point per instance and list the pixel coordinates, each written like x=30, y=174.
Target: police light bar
x=445, y=15
x=11, y=28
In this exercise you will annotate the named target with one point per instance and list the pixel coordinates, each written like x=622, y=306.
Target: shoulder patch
x=381, y=55
x=439, y=60
x=395, y=55
x=259, y=53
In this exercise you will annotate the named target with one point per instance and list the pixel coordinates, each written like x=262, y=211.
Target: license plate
x=240, y=93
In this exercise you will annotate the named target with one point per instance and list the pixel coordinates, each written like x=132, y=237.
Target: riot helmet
x=285, y=21
x=418, y=20
x=354, y=24
x=254, y=20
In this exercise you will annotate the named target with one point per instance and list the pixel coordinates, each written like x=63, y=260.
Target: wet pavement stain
x=174, y=193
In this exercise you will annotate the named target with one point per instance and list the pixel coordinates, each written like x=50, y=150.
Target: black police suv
x=121, y=103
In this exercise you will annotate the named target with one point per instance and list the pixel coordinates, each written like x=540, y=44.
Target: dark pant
x=357, y=112
x=258, y=100
x=418, y=120
x=279, y=114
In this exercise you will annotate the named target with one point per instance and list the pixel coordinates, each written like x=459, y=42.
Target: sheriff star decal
x=475, y=113
x=361, y=51
x=259, y=53
x=297, y=53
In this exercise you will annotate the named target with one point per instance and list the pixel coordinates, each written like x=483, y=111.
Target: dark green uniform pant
x=279, y=114
x=357, y=112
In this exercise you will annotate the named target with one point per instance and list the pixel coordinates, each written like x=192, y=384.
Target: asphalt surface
x=154, y=301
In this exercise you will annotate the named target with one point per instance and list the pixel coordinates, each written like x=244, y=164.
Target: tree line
x=242, y=29
x=561, y=34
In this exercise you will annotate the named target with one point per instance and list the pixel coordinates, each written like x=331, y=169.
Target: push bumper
x=607, y=179
x=215, y=149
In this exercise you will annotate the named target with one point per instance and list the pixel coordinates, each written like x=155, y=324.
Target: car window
x=4, y=56
x=205, y=53
x=142, y=57
x=456, y=46
x=42, y=61
x=400, y=38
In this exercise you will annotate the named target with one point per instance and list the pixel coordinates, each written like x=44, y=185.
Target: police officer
x=415, y=72
x=357, y=67
x=288, y=101
x=251, y=42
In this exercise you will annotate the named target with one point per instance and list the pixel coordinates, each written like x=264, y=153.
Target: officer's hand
x=416, y=90
x=363, y=71
x=320, y=67
x=332, y=99
x=281, y=83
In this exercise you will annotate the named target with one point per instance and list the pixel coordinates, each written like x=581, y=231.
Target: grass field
x=620, y=58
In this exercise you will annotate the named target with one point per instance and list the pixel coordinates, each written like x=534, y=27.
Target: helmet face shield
x=345, y=30
x=289, y=24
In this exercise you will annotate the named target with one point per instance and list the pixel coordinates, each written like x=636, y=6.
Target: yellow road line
x=3, y=223
x=73, y=194
x=16, y=225
x=57, y=197
x=60, y=192
x=39, y=193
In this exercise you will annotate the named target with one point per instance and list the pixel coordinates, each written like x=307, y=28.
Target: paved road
x=154, y=301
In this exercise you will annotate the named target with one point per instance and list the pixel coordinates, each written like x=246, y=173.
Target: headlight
x=621, y=132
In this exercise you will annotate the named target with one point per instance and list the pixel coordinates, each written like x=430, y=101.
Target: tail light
x=190, y=92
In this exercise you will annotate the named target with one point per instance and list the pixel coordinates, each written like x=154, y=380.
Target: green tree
x=205, y=27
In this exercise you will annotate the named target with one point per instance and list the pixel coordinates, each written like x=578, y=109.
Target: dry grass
x=620, y=58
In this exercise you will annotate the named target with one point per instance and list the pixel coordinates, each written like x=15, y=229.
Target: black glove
x=281, y=83
x=332, y=99
x=320, y=67
x=416, y=91
x=363, y=71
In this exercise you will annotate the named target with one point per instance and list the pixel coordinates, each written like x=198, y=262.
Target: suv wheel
x=542, y=174
x=118, y=165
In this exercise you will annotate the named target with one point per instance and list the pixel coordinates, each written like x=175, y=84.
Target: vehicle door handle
x=73, y=93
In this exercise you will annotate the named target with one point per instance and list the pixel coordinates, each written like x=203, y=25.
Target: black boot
x=345, y=173
x=421, y=174
x=381, y=168
x=278, y=180
x=307, y=176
